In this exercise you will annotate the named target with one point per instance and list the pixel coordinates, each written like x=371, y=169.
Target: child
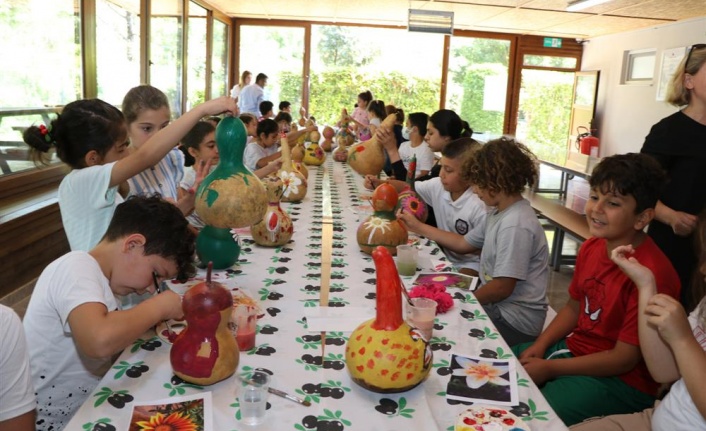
x=414, y=145
x=264, y=149
x=673, y=346
x=90, y=136
x=514, y=262
x=201, y=155
x=285, y=106
x=250, y=122
x=360, y=116
x=459, y=212
x=284, y=121
x=376, y=113
x=17, y=399
x=266, y=110
x=146, y=111
x=596, y=367
x=73, y=318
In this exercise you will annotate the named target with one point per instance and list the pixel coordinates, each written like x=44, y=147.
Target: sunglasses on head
x=691, y=50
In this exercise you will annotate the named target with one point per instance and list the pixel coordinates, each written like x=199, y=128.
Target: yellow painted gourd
x=368, y=158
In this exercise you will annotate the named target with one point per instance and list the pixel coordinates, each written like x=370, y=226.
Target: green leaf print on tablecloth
x=117, y=399
x=392, y=409
x=134, y=370
x=466, y=299
x=177, y=386
x=89, y=426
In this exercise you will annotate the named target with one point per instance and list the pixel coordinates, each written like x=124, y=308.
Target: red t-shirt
x=608, y=303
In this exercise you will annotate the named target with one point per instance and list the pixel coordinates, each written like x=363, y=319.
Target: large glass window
x=166, y=35
x=40, y=70
x=278, y=52
x=219, y=59
x=196, y=56
x=398, y=67
x=477, y=83
x=117, y=48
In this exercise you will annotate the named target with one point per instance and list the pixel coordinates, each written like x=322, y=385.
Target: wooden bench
x=564, y=220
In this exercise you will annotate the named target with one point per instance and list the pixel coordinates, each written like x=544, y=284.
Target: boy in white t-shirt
x=459, y=212
x=414, y=132
x=264, y=148
x=73, y=318
x=17, y=399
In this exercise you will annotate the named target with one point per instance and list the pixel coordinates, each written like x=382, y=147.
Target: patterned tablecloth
x=286, y=280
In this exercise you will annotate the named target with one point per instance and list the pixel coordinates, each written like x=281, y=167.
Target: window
x=219, y=60
x=477, y=83
x=398, y=67
x=638, y=66
x=117, y=48
x=196, y=56
x=166, y=35
x=45, y=74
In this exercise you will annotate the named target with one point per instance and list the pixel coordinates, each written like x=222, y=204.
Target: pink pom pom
x=435, y=291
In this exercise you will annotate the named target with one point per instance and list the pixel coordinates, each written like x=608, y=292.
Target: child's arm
x=562, y=325
x=186, y=199
x=449, y=240
x=100, y=333
x=159, y=145
x=271, y=168
x=293, y=135
x=614, y=362
x=658, y=357
x=669, y=317
x=496, y=290
x=262, y=162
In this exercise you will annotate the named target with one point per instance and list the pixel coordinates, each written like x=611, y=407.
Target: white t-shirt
x=463, y=216
x=235, y=91
x=186, y=184
x=515, y=246
x=425, y=156
x=62, y=376
x=16, y=389
x=677, y=411
x=254, y=152
x=162, y=179
x=87, y=204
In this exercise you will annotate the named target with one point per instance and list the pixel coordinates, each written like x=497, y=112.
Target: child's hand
x=533, y=351
x=639, y=274
x=204, y=166
x=538, y=369
x=409, y=220
x=387, y=138
x=169, y=304
x=668, y=315
x=224, y=104
x=371, y=182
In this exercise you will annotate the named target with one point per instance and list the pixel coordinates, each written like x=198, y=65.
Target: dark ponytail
x=193, y=139
x=366, y=95
x=377, y=107
x=448, y=123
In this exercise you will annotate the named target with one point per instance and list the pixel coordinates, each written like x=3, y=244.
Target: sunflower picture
x=190, y=413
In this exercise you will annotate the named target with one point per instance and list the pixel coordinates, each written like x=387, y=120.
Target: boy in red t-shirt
x=588, y=361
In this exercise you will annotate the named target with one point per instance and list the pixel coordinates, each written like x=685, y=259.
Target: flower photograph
x=174, y=414
x=491, y=381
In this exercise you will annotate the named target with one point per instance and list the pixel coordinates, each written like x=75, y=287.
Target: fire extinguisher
x=586, y=143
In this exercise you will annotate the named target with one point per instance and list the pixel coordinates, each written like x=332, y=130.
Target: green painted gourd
x=231, y=196
x=218, y=245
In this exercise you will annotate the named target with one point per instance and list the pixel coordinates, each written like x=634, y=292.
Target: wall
x=625, y=113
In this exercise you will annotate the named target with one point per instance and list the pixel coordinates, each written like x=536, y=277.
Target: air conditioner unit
x=431, y=21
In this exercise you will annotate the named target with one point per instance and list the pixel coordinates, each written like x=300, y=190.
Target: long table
x=287, y=281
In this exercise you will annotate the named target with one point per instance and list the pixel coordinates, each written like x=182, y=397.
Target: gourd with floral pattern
x=382, y=227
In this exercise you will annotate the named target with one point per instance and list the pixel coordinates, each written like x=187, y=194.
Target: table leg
x=557, y=244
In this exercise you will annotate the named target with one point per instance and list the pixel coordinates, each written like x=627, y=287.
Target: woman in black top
x=678, y=142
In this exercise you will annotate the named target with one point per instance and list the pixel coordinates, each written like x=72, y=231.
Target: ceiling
x=536, y=17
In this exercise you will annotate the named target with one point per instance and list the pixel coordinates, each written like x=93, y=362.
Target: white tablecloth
x=286, y=281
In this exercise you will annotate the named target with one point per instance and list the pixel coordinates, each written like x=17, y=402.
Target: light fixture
x=431, y=21
x=583, y=4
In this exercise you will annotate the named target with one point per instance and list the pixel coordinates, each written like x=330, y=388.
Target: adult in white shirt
x=251, y=96
x=245, y=79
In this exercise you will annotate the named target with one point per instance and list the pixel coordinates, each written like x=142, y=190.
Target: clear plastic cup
x=253, y=398
x=421, y=314
x=406, y=260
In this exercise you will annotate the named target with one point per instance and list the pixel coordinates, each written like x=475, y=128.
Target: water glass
x=406, y=260
x=253, y=398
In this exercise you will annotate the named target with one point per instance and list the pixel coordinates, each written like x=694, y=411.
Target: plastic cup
x=420, y=314
x=253, y=398
x=244, y=318
x=406, y=260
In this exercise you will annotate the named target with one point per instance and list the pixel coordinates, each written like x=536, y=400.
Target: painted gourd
x=341, y=153
x=231, y=196
x=293, y=181
x=345, y=137
x=385, y=354
x=314, y=155
x=329, y=133
x=297, y=153
x=382, y=228
x=205, y=352
x=218, y=245
x=368, y=158
x=408, y=200
x=301, y=167
x=276, y=227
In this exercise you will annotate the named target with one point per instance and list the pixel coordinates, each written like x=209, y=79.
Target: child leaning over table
x=673, y=346
x=588, y=361
x=73, y=319
x=459, y=212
